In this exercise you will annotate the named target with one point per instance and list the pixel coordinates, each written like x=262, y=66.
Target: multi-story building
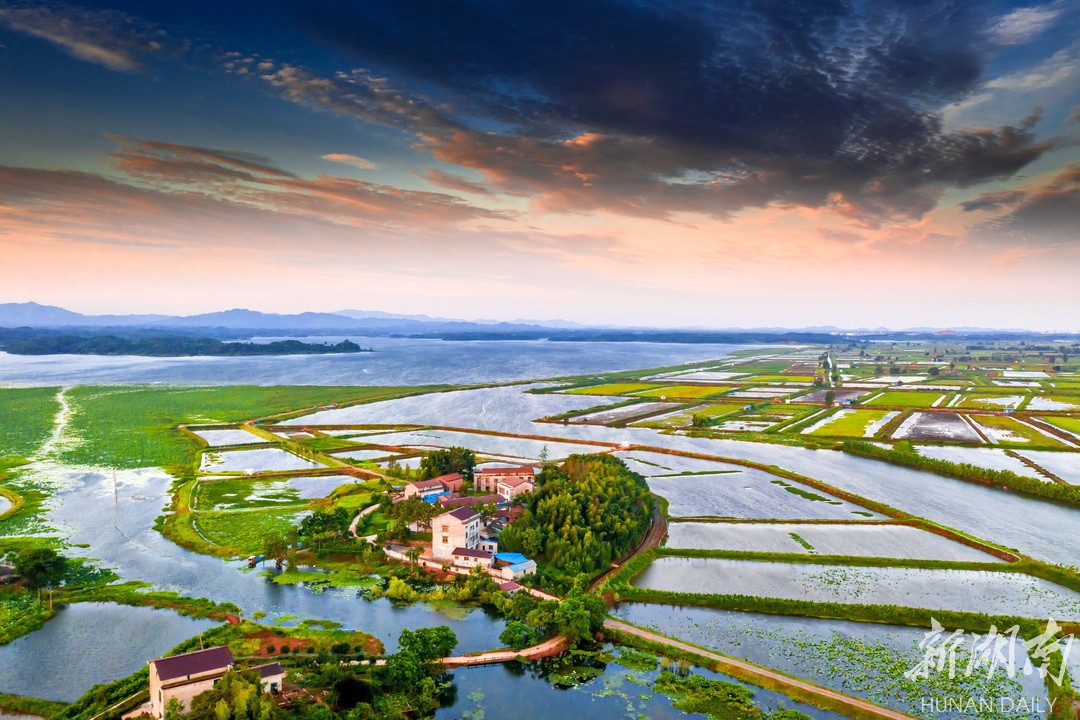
x=487, y=479
x=458, y=528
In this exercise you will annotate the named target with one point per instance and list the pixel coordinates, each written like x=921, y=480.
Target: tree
x=830, y=397
x=275, y=548
x=236, y=696
x=414, y=554
x=41, y=567
x=428, y=643
x=451, y=460
x=518, y=635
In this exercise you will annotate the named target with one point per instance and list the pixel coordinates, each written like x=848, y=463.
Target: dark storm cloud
x=706, y=107
x=1049, y=212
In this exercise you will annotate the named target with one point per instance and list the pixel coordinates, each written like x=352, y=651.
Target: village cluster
x=462, y=537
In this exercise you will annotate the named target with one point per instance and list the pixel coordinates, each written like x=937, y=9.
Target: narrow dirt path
x=837, y=700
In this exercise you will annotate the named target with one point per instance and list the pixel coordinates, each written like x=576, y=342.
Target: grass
x=1032, y=436
x=20, y=705
x=692, y=392
x=850, y=424
x=1065, y=423
x=985, y=402
x=29, y=415
x=901, y=398
x=136, y=427
x=612, y=388
x=238, y=494
x=242, y=533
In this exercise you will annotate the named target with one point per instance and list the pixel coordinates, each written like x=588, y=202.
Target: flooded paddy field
x=936, y=427
x=989, y=458
x=215, y=438
x=232, y=494
x=486, y=444
x=362, y=454
x=866, y=660
x=249, y=461
x=892, y=541
x=1066, y=465
x=750, y=493
x=976, y=591
x=625, y=414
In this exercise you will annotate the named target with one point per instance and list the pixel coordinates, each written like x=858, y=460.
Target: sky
x=668, y=163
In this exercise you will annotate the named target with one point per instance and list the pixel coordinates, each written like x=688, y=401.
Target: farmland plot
x=867, y=660
x=991, y=402
x=936, y=427
x=851, y=423
x=488, y=444
x=989, y=458
x=1006, y=430
x=691, y=392
x=363, y=454
x=905, y=398
x=818, y=396
x=1054, y=403
x=216, y=438
x=976, y=591
x=623, y=414
x=243, y=494
x=249, y=461
x=893, y=541
x=1066, y=465
x=749, y=494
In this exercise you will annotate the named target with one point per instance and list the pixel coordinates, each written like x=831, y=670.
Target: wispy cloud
x=102, y=37
x=1023, y=24
x=357, y=162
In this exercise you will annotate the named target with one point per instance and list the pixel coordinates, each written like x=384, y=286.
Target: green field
x=136, y=427
x=682, y=391
x=850, y=424
x=686, y=419
x=778, y=378
x=242, y=533
x=612, y=388
x=1065, y=423
x=28, y=420
x=985, y=402
x=1030, y=436
x=244, y=494
x=901, y=398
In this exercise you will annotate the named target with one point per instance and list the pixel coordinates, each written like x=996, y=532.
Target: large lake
x=395, y=361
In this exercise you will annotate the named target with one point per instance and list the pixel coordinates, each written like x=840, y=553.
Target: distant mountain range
x=241, y=322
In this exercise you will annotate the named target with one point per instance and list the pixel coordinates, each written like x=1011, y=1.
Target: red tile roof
x=193, y=663
x=426, y=484
x=468, y=501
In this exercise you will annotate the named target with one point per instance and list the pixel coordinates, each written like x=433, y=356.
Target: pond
x=866, y=660
x=84, y=645
x=976, y=591
x=520, y=691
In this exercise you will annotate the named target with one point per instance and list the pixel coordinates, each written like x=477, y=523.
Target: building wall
x=184, y=693
x=483, y=482
x=448, y=534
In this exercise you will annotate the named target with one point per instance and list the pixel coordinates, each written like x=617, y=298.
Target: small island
x=23, y=341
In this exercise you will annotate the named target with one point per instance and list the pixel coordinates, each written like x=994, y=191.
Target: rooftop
x=511, y=557
x=269, y=669
x=193, y=663
x=469, y=552
x=518, y=470
x=426, y=484
x=463, y=514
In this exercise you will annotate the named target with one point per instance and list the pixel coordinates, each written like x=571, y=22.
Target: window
x=445, y=540
x=446, y=528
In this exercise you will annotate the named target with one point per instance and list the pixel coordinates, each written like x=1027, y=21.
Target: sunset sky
x=636, y=163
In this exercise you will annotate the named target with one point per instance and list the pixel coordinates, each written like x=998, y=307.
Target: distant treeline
x=708, y=336
x=26, y=341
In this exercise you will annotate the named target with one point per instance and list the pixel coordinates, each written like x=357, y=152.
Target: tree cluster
x=583, y=515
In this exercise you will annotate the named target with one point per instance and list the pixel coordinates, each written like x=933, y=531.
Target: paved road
x=838, y=700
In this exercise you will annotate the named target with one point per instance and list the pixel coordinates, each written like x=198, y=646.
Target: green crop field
x=612, y=388
x=243, y=532
x=1030, y=437
x=1065, y=423
x=682, y=391
x=244, y=494
x=28, y=415
x=902, y=398
x=986, y=402
x=136, y=427
x=850, y=424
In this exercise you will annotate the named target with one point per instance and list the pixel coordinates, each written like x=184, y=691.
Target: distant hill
x=239, y=322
